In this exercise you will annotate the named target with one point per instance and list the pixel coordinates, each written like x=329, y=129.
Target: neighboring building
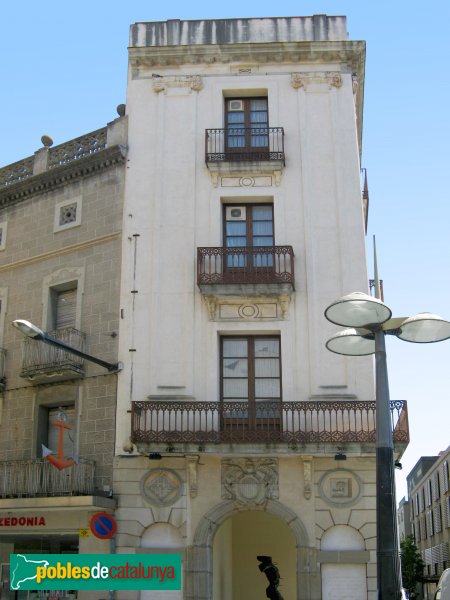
x=243, y=220
x=404, y=519
x=429, y=497
x=60, y=254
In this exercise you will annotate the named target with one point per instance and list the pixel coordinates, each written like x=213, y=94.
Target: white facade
x=181, y=77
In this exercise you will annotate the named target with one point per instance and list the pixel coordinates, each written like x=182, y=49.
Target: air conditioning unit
x=235, y=105
x=235, y=213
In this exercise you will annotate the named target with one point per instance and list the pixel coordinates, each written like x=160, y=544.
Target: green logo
x=95, y=572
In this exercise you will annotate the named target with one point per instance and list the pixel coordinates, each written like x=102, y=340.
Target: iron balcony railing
x=38, y=477
x=252, y=265
x=245, y=144
x=167, y=421
x=39, y=358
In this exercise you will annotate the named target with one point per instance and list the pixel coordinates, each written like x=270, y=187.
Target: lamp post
x=370, y=320
x=32, y=331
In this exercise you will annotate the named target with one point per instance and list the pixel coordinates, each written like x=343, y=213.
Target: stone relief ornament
x=307, y=476
x=331, y=78
x=250, y=480
x=340, y=487
x=161, y=487
x=161, y=84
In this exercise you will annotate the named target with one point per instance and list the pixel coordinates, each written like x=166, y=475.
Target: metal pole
x=388, y=565
x=54, y=342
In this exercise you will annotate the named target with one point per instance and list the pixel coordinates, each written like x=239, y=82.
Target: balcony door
x=248, y=231
x=251, y=382
x=247, y=128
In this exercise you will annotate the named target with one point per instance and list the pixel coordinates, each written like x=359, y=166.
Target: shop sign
x=22, y=521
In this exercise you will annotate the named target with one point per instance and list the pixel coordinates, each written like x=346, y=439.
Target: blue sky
x=63, y=70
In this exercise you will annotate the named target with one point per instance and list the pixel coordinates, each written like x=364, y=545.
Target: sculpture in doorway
x=273, y=576
x=59, y=461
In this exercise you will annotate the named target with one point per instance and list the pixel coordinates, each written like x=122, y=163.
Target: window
x=62, y=299
x=62, y=306
x=247, y=226
x=67, y=214
x=3, y=228
x=251, y=374
x=48, y=433
x=246, y=125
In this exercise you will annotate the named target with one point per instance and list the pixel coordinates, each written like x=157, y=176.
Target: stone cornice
x=58, y=176
x=350, y=53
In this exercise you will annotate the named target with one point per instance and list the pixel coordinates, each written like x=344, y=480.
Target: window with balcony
x=61, y=318
x=251, y=381
x=246, y=127
x=246, y=136
x=249, y=226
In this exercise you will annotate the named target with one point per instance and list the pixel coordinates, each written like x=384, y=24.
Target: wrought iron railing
x=245, y=144
x=38, y=357
x=252, y=265
x=38, y=477
x=167, y=421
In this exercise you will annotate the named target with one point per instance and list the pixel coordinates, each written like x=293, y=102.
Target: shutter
x=66, y=305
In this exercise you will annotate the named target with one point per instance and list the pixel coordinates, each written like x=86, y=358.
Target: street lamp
x=32, y=331
x=369, y=320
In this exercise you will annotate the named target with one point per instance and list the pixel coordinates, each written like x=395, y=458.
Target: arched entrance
x=236, y=544
x=201, y=563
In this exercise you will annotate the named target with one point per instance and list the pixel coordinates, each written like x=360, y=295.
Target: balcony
x=42, y=363
x=37, y=477
x=266, y=270
x=166, y=422
x=245, y=150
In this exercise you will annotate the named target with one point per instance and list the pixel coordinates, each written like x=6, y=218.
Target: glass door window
x=247, y=123
x=251, y=377
x=246, y=227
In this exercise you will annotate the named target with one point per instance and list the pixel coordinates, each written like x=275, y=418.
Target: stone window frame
x=55, y=396
x=57, y=226
x=3, y=231
x=61, y=279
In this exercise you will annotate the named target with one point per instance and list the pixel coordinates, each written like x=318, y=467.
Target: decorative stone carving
x=330, y=78
x=211, y=305
x=250, y=481
x=285, y=301
x=161, y=84
x=307, y=477
x=251, y=181
x=355, y=83
x=192, y=468
x=340, y=487
x=248, y=311
x=161, y=487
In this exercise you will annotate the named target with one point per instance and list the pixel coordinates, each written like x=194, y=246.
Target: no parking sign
x=103, y=525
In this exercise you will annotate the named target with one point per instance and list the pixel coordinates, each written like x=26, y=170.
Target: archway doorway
x=238, y=541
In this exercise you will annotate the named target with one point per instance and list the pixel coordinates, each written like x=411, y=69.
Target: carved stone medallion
x=161, y=487
x=250, y=480
x=340, y=487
